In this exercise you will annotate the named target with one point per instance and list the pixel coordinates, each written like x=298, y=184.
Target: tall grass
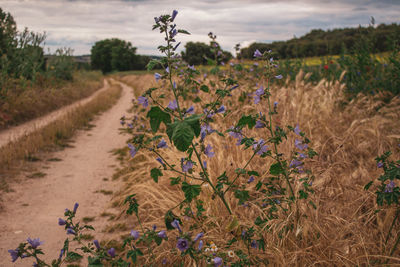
x=24, y=100
x=344, y=229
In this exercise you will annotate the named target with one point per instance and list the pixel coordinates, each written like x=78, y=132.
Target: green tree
x=114, y=55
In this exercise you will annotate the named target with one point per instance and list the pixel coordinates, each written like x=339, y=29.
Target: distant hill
x=331, y=42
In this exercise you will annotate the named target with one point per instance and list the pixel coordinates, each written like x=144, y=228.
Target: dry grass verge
x=25, y=102
x=344, y=229
x=55, y=133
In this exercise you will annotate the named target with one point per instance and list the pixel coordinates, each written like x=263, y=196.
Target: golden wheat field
x=343, y=230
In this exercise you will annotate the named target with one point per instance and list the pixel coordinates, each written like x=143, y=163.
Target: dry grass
x=344, y=230
x=26, y=102
x=56, y=133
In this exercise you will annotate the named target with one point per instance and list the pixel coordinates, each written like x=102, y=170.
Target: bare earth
x=34, y=207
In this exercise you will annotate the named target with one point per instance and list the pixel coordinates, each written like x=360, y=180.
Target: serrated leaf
x=250, y=121
x=276, y=169
x=182, y=135
x=152, y=63
x=155, y=173
x=194, y=122
x=191, y=191
x=204, y=88
x=157, y=115
x=242, y=195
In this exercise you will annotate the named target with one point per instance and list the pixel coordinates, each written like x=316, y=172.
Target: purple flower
x=191, y=67
x=390, y=186
x=135, y=234
x=175, y=224
x=130, y=125
x=190, y=110
x=61, y=222
x=260, y=147
x=295, y=163
x=156, y=19
x=259, y=124
x=257, y=53
x=164, y=261
x=297, y=130
x=253, y=244
x=205, y=164
x=132, y=150
x=144, y=101
x=302, y=156
x=76, y=207
x=35, y=242
x=260, y=91
x=176, y=46
x=201, y=243
x=162, y=144
x=251, y=179
x=122, y=122
x=234, y=87
x=111, y=252
x=14, y=254
x=187, y=166
x=173, y=33
x=205, y=129
x=174, y=85
x=208, y=151
x=182, y=244
x=299, y=144
x=154, y=227
x=275, y=104
x=157, y=76
x=70, y=231
x=61, y=254
x=162, y=234
x=279, y=76
x=174, y=13
x=198, y=236
x=161, y=161
x=221, y=109
x=173, y=105
x=380, y=164
x=217, y=261
x=96, y=243
x=255, y=64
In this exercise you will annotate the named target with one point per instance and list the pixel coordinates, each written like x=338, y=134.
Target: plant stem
x=237, y=176
x=209, y=181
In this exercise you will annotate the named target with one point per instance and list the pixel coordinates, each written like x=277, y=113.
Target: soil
x=80, y=173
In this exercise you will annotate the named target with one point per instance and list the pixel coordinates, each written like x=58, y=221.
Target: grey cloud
x=79, y=24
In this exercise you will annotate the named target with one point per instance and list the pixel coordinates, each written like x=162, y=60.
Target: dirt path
x=17, y=132
x=34, y=207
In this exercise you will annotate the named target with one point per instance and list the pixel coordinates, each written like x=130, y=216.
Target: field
x=238, y=163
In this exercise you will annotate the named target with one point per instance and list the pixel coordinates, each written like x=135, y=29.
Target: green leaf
x=94, y=262
x=73, y=256
x=194, y=122
x=157, y=115
x=204, y=88
x=367, y=186
x=182, y=135
x=242, y=195
x=250, y=121
x=276, y=169
x=191, y=191
x=183, y=31
x=155, y=173
x=152, y=63
x=175, y=180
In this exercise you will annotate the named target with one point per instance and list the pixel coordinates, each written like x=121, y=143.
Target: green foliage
x=116, y=55
x=155, y=173
x=191, y=191
x=157, y=115
x=61, y=65
x=331, y=42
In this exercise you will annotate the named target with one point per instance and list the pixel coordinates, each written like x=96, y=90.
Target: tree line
x=330, y=42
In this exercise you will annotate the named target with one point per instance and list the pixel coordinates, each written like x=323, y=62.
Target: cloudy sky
x=78, y=24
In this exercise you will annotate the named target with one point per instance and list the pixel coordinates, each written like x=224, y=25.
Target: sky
x=78, y=24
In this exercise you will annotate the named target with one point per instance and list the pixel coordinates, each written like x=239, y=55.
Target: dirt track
x=34, y=207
